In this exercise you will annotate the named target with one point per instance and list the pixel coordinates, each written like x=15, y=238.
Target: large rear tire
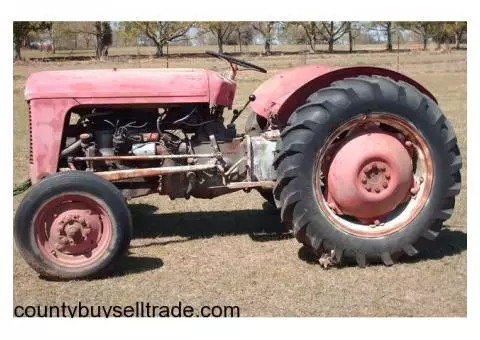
x=300, y=190
x=73, y=225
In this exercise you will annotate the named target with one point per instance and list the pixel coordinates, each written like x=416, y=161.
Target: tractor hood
x=161, y=85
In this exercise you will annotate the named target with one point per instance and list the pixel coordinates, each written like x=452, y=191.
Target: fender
x=281, y=94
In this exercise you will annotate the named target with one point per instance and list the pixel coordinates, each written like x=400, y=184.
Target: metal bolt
x=385, y=184
x=368, y=187
x=387, y=175
x=366, y=169
x=53, y=252
x=420, y=180
x=374, y=165
x=414, y=190
x=377, y=222
x=408, y=143
x=364, y=180
x=383, y=167
x=377, y=190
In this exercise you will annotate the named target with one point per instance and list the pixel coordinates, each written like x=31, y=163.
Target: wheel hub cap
x=369, y=176
x=74, y=230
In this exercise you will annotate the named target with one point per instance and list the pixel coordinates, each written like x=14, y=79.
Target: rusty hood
x=193, y=85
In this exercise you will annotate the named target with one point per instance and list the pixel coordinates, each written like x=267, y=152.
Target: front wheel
x=366, y=168
x=73, y=225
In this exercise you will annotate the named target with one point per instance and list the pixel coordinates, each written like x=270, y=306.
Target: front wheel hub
x=370, y=175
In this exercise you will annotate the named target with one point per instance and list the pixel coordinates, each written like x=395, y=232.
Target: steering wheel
x=236, y=61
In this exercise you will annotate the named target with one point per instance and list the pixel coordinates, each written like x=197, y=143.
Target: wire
x=185, y=117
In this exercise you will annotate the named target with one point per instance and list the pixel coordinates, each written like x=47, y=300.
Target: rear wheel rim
x=417, y=195
x=72, y=230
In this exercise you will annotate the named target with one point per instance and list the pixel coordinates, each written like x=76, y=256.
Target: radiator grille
x=30, y=132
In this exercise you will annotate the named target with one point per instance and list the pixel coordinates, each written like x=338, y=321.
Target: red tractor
x=360, y=161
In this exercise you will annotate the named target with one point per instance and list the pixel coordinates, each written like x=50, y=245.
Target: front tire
x=73, y=225
x=300, y=190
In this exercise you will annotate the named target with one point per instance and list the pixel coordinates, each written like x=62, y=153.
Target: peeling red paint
x=285, y=91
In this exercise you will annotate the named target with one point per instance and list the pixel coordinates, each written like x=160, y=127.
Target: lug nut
x=377, y=190
x=364, y=180
x=376, y=222
x=413, y=191
x=385, y=184
x=408, y=143
x=420, y=180
x=387, y=175
x=382, y=167
x=368, y=187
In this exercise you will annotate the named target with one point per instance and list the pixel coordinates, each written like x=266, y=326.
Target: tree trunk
x=350, y=40
x=389, y=37
x=425, y=42
x=239, y=40
x=267, y=47
x=313, y=37
x=159, y=50
x=17, y=50
x=98, y=35
x=457, y=41
x=220, y=44
x=330, y=44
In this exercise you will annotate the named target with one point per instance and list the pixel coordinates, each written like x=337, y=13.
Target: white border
x=292, y=328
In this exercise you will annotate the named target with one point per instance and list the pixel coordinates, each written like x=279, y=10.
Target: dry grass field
x=226, y=251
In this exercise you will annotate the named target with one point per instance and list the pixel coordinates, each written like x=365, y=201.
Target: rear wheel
x=73, y=225
x=366, y=168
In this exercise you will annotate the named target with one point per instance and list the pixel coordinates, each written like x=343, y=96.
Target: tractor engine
x=180, y=151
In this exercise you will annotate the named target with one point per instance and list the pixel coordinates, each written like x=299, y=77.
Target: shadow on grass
x=135, y=264
x=127, y=265
x=260, y=225
x=450, y=242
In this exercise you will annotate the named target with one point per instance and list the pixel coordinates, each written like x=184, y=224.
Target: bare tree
x=387, y=28
x=353, y=30
x=332, y=31
x=266, y=30
x=458, y=29
x=424, y=29
x=311, y=30
x=221, y=30
x=20, y=33
x=159, y=32
x=101, y=31
x=244, y=34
